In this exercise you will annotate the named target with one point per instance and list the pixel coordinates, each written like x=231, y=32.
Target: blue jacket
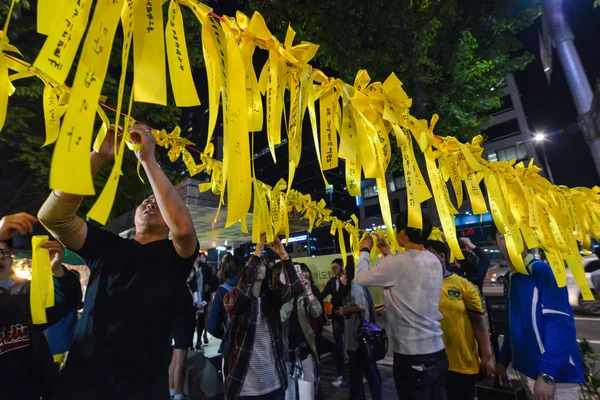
x=217, y=321
x=540, y=329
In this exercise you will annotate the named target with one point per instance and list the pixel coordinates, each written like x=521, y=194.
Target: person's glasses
x=6, y=253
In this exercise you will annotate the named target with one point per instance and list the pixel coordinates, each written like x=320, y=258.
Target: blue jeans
x=370, y=371
x=421, y=377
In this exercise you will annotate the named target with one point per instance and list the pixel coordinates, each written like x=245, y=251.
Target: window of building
x=394, y=184
x=369, y=191
x=400, y=182
x=518, y=153
x=503, y=130
x=372, y=211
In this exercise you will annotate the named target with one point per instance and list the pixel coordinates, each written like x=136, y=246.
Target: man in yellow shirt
x=463, y=327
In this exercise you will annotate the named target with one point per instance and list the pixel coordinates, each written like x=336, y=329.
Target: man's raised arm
x=173, y=208
x=57, y=213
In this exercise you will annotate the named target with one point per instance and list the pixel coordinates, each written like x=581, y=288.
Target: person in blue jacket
x=217, y=317
x=540, y=338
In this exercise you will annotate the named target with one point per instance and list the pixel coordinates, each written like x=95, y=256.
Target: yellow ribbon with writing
x=41, y=292
x=182, y=82
x=149, y=68
x=59, y=50
x=75, y=139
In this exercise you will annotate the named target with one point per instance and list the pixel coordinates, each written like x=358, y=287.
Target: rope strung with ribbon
x=525, y=206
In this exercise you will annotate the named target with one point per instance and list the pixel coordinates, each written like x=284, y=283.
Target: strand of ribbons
x=355, y=122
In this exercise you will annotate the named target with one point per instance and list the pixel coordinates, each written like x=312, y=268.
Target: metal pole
x=546, y=165
x=563, y=40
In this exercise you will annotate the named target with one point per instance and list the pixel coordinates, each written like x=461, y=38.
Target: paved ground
x=205, y=383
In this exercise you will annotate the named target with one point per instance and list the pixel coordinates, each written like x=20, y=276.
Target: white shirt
x=413, y=285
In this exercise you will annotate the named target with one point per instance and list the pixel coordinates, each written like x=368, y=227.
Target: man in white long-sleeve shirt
x=413, y=283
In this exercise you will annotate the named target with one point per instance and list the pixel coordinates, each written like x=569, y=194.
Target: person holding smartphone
x=255, y=360
x=299, y=339
x=334, y=288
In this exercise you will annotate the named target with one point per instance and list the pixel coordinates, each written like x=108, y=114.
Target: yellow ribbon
x=41, y=293
x=182, y=82
x=149, y=69
x=75, y=139
x=59, y=50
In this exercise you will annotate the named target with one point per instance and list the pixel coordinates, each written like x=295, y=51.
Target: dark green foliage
x=450, y=54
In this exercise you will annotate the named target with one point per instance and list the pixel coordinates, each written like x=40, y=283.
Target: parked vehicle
x=499, y=268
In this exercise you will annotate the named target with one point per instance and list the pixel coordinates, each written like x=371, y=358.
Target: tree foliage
x=24, y=164
x=452, y=55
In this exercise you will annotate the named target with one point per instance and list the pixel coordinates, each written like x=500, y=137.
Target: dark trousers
x=370, y=371
x=200, y=324
x=338, y=336
x=460, y=386
x=421, y=377
x=278, y=394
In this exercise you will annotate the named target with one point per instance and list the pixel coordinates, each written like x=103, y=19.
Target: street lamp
x=541, y=138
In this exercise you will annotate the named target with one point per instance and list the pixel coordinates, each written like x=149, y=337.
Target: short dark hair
x=417, y=236
x=339, y=262
x=438, y=247
x=230, y=266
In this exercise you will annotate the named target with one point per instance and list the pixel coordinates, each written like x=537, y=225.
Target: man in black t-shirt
x=122, y=346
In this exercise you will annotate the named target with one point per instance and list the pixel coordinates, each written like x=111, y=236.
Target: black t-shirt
x=122, y=346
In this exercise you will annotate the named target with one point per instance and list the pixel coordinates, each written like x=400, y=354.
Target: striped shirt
x=243, y=309
x=413, y=285
x=262, y=377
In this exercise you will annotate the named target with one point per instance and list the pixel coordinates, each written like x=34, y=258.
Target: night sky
x=551, y=108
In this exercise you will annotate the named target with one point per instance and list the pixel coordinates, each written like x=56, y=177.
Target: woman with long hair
x=299, y=340
x=354, y=310
x=255, y=359
x=319, y=322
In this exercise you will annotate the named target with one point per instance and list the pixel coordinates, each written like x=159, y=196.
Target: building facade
x=508, y=137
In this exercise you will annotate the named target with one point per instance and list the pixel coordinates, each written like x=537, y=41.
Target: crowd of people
x=146, y=298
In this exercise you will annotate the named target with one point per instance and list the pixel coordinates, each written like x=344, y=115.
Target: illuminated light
x=546, y=69
x=539, y=137
x=295, y=239
x=492, y=89
x=221, y=248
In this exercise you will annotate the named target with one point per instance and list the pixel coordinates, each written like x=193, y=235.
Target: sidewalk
x=204, y=383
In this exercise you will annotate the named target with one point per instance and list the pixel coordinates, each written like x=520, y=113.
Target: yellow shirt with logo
x=458, y=296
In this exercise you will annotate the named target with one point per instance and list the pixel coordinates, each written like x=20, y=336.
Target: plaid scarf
x=242, y=307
